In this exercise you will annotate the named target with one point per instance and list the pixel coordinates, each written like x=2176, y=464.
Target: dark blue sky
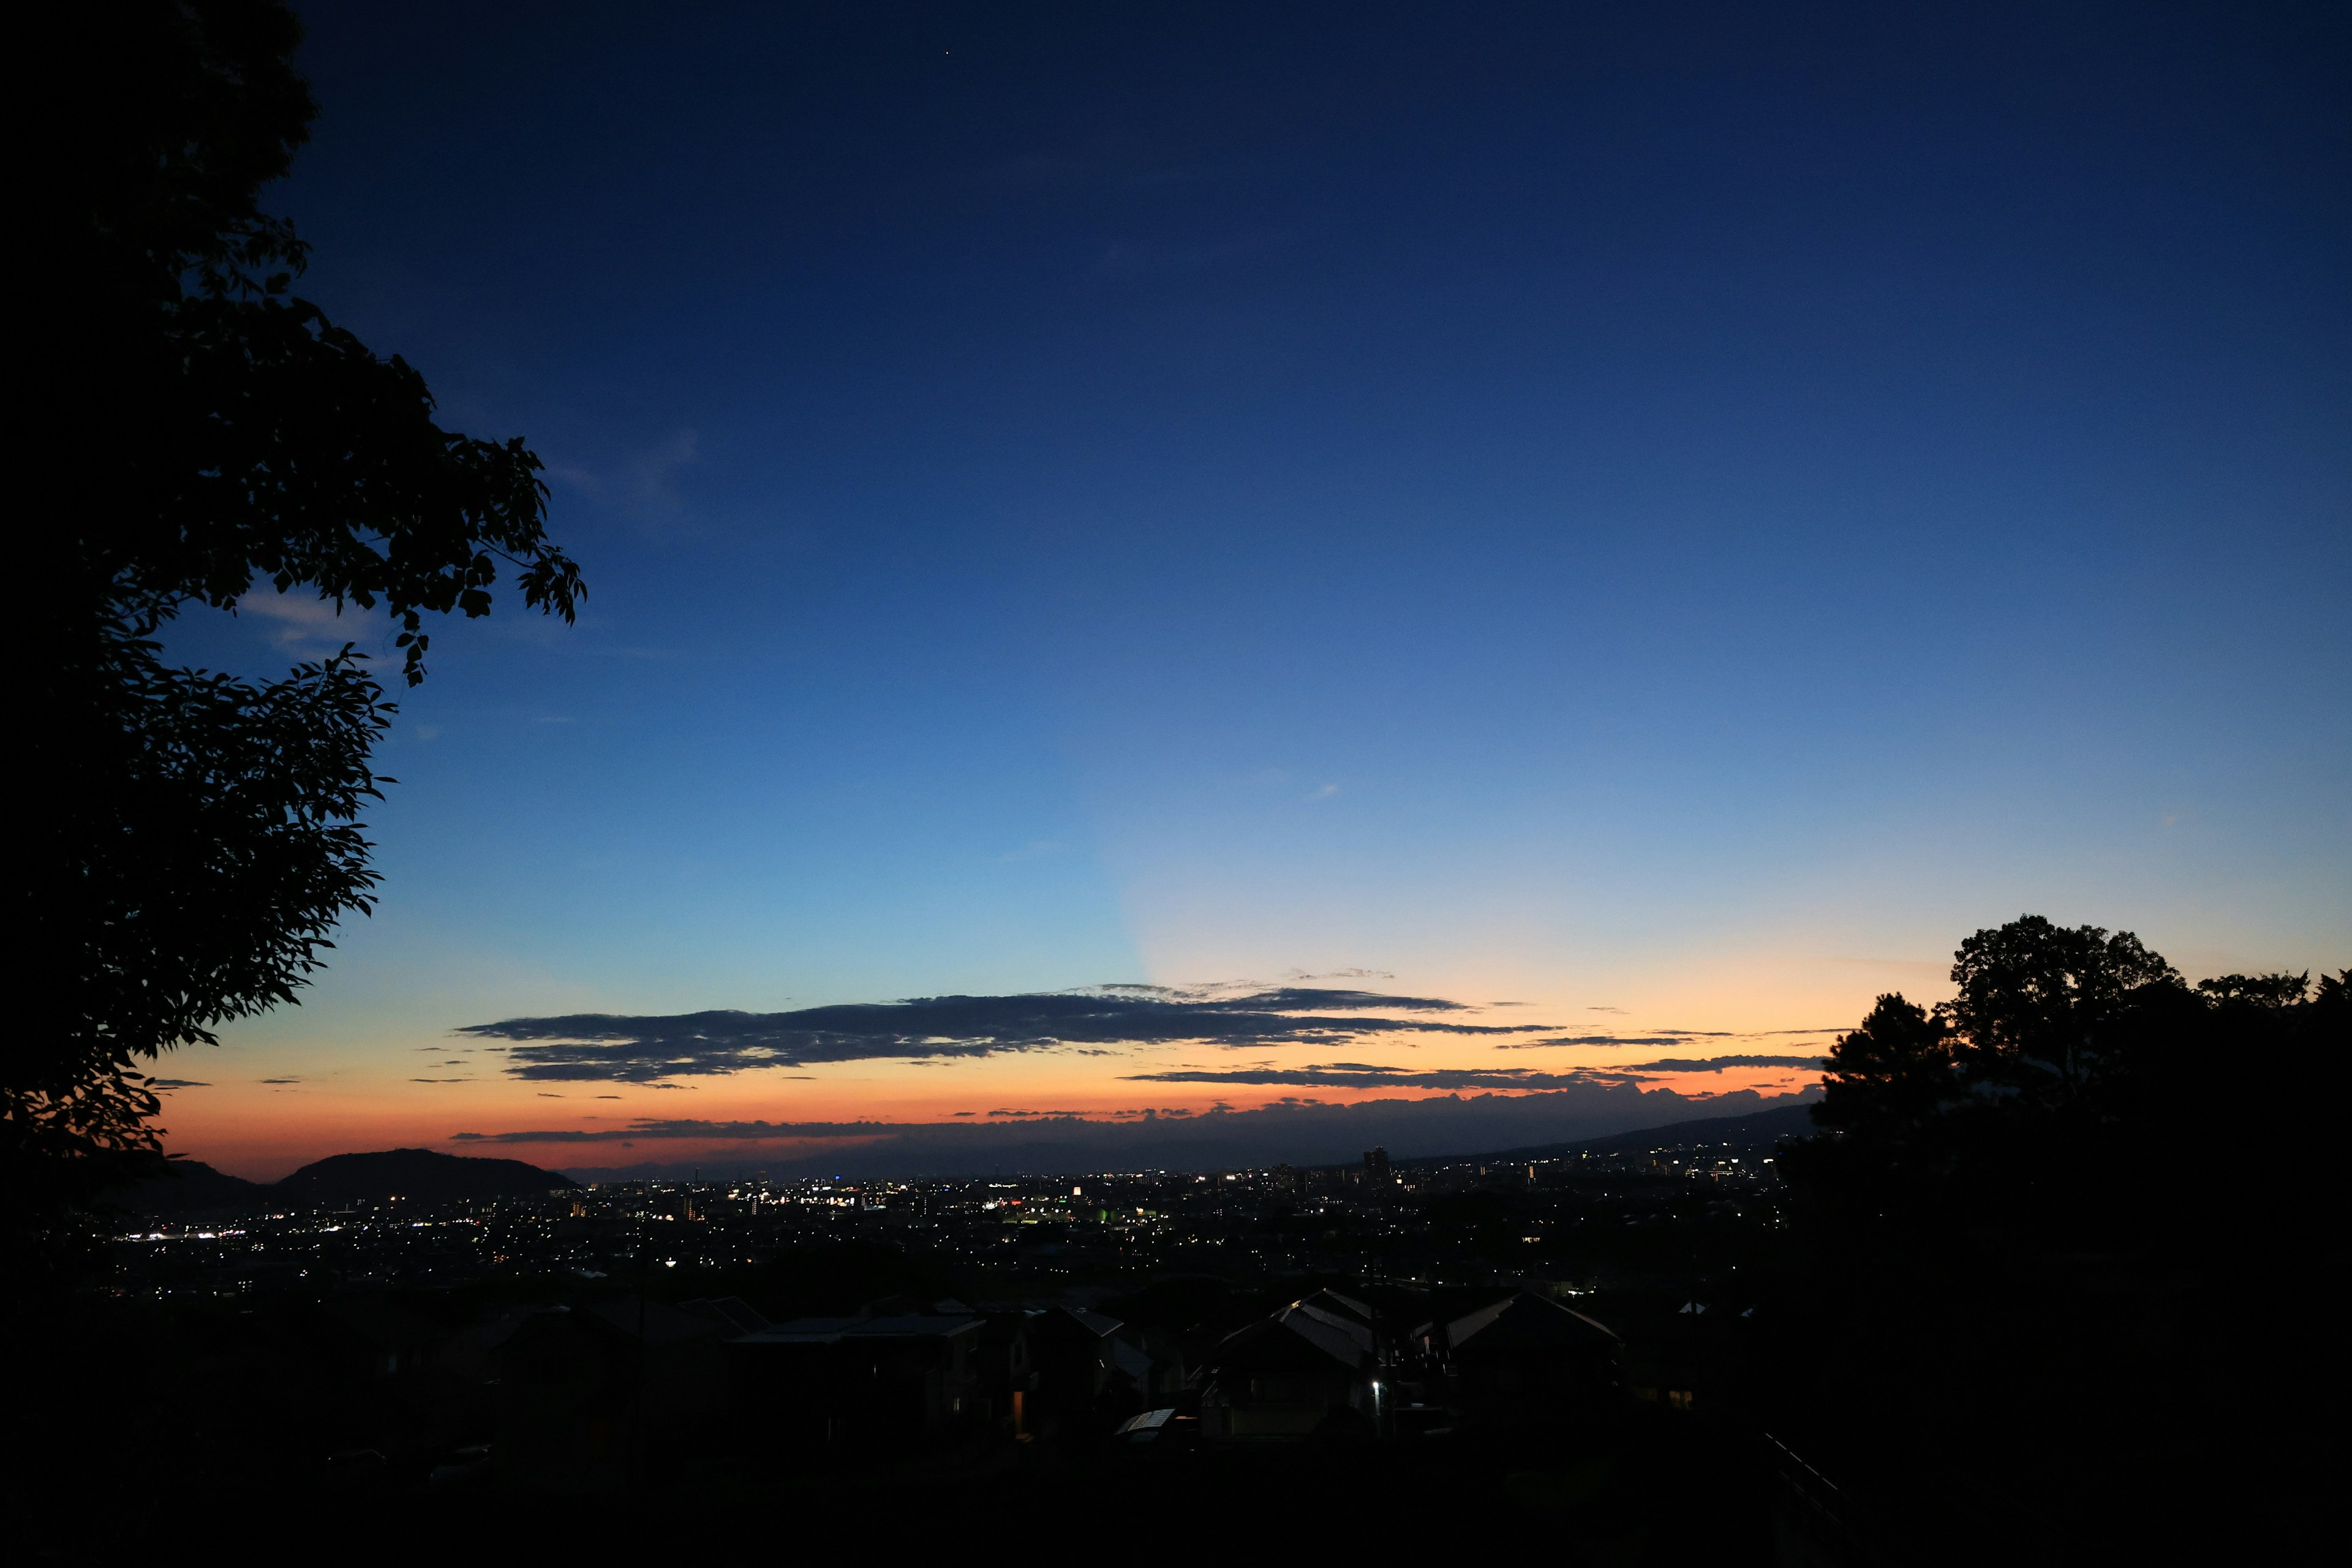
x=1597, y=502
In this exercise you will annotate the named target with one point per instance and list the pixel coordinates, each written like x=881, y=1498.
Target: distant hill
x=420, y=1175
x=1758, y=1129
x=191, y=1186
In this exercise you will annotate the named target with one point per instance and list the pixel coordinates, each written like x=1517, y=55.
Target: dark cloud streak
x=1666, y=1037
x=1360, y=1075
x=1558, y=1040
x=597, y=1045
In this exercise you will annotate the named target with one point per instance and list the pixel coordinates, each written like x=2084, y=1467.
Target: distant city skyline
x=1655, y=523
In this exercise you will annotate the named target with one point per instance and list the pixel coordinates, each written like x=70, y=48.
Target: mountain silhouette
x=191, y=1186
x=419, y=1175
x=1758, y=1129
x=422, y=1176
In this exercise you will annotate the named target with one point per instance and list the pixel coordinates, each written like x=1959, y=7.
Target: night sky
x=1668, y=516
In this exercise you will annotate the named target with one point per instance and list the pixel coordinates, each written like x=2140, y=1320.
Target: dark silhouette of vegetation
x=2061, y=1080
x=2030, y=1229
x=209, y=435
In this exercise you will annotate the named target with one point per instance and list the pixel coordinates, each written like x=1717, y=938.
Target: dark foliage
x=204, y=432
x=2029, y=1232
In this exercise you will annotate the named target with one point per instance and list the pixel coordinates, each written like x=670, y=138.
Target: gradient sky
x=1673, y=509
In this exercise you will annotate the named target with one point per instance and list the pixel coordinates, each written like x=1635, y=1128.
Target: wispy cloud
x=642, y=484
x=1718, y=1064
x=1364, y=1075
x=1664, y=1038
x=1565, y=1040
x=308, y=627
x=1361, y=1075
x=751, y=1131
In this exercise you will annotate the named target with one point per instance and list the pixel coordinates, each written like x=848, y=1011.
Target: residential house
x=863, y=1380
x=1523, y=1359
x=1307, y=1371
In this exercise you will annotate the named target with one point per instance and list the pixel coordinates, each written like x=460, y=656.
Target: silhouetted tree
x=1887, y=1090
x=2042, y=1195
x=206, y=431
x=1894, y=1074
x=2045, y=1012
x=2272, y=991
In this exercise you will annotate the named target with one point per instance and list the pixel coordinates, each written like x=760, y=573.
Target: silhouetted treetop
x=2037, y=1002
x=2067, y=1056
x=249, y=439
x=1897, y=1067
x=187, y=110
x=205, y=431
x=2279, y=990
